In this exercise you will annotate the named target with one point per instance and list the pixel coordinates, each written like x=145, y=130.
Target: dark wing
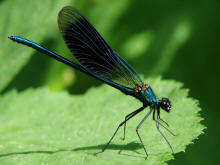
x=92, y=51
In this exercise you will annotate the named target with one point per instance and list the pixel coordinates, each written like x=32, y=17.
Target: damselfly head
x=165, y=104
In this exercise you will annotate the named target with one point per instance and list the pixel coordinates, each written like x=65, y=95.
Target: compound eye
x=165, y=104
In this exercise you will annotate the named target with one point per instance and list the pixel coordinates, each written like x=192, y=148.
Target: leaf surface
x=28, y=19
x=41, y=127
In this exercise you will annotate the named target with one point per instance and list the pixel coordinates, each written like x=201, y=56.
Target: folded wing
x=92, y=51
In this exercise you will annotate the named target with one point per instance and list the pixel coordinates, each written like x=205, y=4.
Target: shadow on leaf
x=129, y=147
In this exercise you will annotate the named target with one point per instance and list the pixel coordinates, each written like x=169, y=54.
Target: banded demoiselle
x=97, y=59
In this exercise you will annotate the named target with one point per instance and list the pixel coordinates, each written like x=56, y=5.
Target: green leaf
x=27, y=19
x=180, y=35
x=41, y=127
x=137, y=44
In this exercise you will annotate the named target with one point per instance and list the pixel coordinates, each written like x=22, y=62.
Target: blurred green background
x=173, y=39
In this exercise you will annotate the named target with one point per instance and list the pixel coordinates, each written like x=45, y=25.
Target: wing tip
x=67, y=16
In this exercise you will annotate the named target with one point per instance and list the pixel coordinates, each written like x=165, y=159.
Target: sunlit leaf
x=29, y=19
x=41, y=127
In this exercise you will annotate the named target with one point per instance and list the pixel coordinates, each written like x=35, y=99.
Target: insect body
x=97, y=59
